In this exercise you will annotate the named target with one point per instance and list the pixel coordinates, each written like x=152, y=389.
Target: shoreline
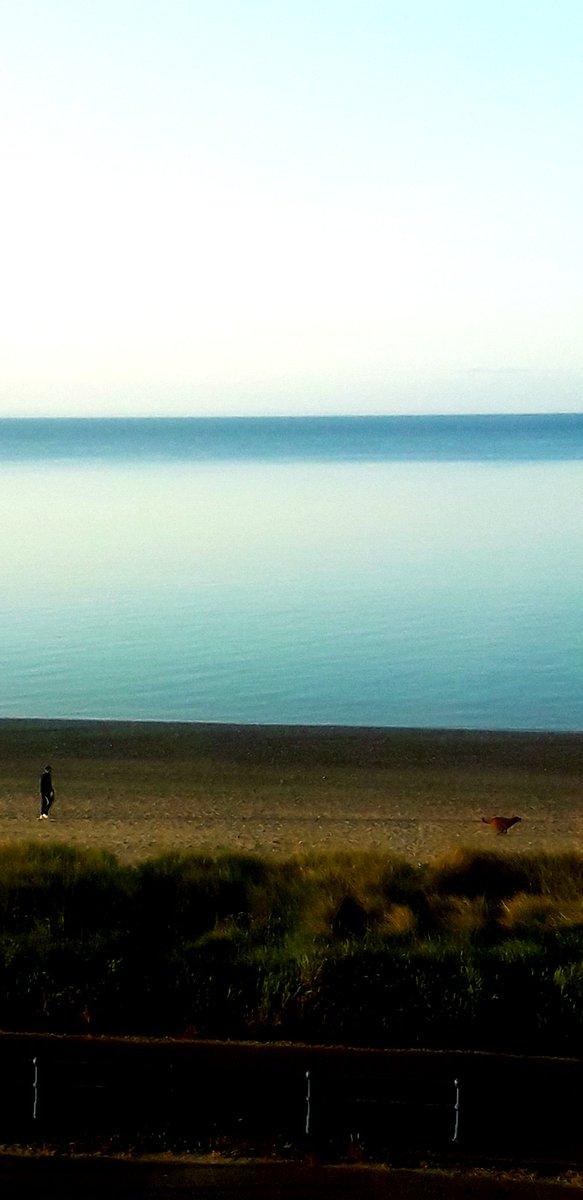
x=141, y=788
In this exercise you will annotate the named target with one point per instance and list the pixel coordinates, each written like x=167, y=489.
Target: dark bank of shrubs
x=476, y=951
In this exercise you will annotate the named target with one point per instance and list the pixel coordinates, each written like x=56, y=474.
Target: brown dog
x=501, y=824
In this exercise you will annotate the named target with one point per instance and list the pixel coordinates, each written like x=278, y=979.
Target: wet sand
x=138, y=789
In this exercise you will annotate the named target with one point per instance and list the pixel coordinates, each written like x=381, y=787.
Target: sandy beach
x=138, y=789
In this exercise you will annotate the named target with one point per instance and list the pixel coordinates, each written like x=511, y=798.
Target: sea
x=355, y=571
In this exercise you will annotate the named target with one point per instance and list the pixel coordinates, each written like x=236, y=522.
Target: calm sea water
x=356, y=571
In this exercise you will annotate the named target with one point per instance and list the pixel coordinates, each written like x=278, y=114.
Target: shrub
x=526, y=915
x=478, y=873
x=71, y=892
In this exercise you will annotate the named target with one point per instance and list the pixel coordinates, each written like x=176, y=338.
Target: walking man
x=47, y=794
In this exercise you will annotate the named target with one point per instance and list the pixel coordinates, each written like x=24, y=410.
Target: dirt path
x=22, y=1178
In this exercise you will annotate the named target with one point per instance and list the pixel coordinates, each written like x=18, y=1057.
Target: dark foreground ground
x=217, y=1101
x=22, y=1178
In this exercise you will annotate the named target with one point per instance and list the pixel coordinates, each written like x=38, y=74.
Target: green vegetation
x=476, y=951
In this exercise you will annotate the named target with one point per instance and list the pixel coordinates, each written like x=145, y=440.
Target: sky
x=290, y=206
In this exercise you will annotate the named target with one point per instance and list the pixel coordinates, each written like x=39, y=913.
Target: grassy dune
x=477, y=950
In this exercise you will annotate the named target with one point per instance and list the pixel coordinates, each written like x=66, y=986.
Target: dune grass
x=475, y=950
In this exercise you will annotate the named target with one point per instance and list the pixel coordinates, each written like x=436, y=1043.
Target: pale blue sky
x=283, y=206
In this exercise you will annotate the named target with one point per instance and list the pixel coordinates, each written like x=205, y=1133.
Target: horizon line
x=332, y=416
